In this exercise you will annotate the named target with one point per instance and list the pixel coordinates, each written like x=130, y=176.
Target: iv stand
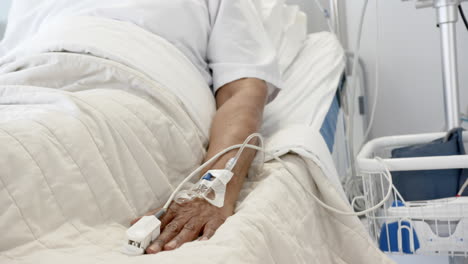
x=447, y=17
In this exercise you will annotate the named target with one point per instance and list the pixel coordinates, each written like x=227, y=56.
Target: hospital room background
x=405, y=44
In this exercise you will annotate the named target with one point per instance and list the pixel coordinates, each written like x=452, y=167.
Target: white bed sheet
x=311, y=83
x=268, y=227
x=285, y=24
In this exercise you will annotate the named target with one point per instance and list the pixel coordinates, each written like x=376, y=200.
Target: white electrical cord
x=350, y=117
x=239, y=153
x=377, y=75
x=241, y=147
x=215, y=157
x=353, y=84
x=387, y=175
x=350, y=134
x=326, y=14
x=462, y=189
x=351, y=189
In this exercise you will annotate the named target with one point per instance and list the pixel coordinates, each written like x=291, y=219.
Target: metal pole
x=447, y=16
x=335, y=15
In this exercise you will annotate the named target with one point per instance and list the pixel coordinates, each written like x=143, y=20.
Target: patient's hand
x=186, y=222
x=239, y=113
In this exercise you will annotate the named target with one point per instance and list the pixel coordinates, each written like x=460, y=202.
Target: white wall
x=410, y=98
x=4, y=6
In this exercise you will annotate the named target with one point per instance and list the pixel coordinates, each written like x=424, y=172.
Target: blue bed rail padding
x=328, y=129
x=389, y=234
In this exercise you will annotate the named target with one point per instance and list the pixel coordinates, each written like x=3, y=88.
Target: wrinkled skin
x=186, y=222
x=240, y=106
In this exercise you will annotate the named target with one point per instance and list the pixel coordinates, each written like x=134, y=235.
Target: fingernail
x=171, y=245
x=152, y=250
x=204, y=239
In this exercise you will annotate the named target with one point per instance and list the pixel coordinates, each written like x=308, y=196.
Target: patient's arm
x=240, y=109
x=240, y=112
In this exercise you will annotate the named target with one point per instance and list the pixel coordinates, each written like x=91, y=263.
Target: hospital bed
x=104, y=141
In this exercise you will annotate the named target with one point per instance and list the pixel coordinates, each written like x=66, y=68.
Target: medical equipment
x=135, y=191
x=462, y=14
x=350, y=177
x=368, y=210
x=447, y=17
x=211, y=187
x=138, y=243
x=326, y=14
x=437, y=225
x=141, y=234
x=416, y=227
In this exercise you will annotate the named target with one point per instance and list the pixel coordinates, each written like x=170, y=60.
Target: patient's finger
x=135, y=220
x=167, y=217
x=168, y=233
x=210, y=228
x=152, y=212
x=189, y=232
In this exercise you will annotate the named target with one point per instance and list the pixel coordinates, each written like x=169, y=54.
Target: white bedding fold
x=93, y=140
x=108, y=149
x=132, y=46
x=310, y=82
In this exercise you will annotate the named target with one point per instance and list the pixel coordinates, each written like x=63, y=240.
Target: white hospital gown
x=224, y=39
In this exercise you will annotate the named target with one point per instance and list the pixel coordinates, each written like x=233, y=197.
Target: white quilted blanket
x=91, y=139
